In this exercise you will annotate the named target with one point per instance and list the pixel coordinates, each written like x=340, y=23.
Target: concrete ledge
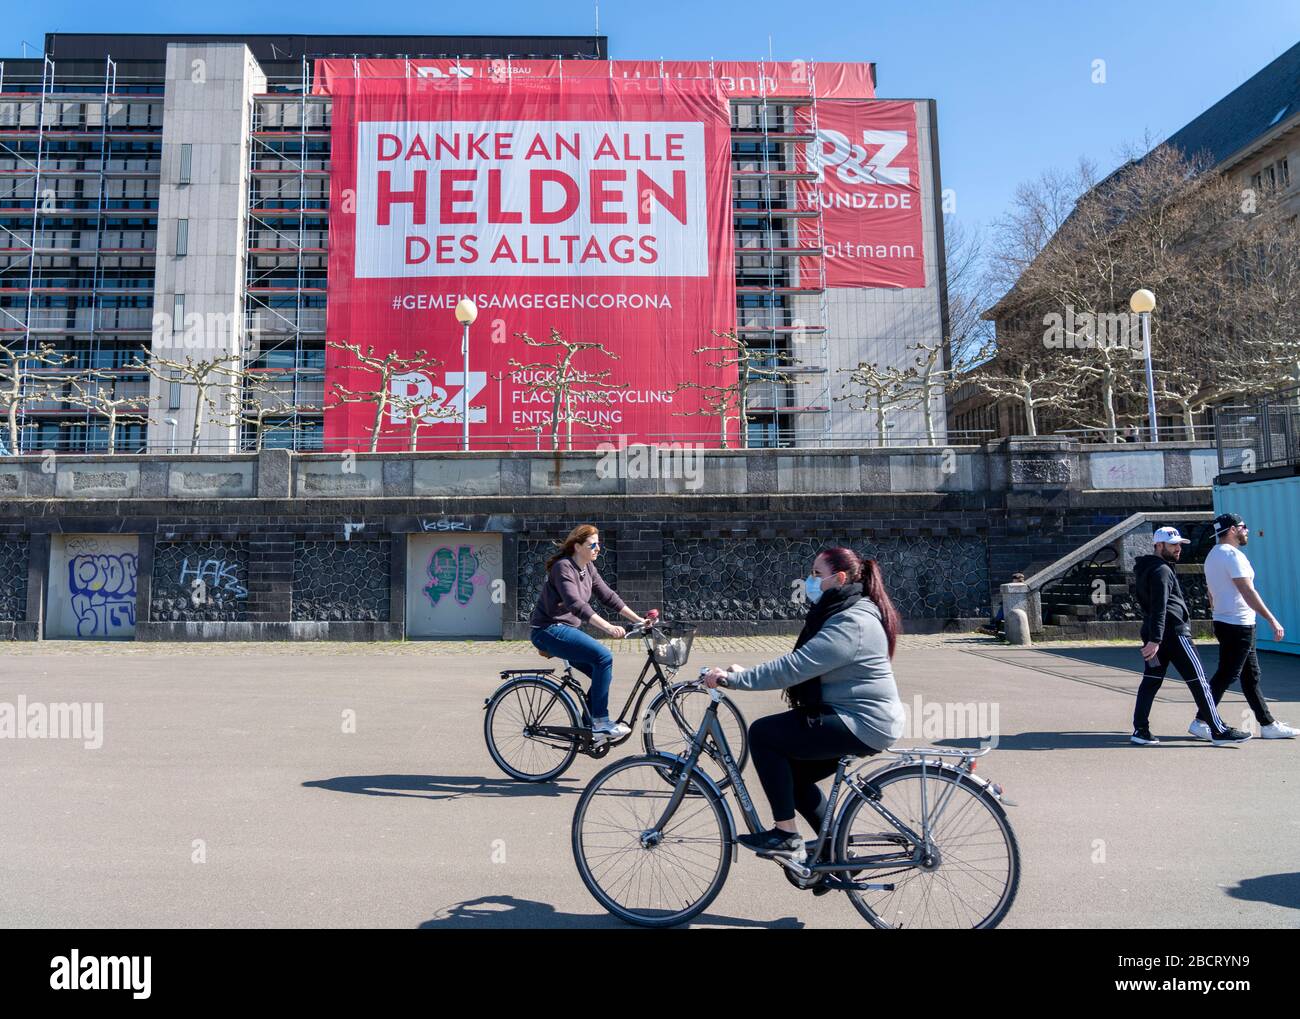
x=1011, y=466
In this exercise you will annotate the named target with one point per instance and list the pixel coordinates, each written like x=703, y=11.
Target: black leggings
x=795, y=750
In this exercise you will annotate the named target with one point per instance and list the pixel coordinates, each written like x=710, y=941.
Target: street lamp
x=466, y=313
x=1143, y=303
x=172, y=422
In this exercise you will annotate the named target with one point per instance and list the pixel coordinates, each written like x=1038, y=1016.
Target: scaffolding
x=57, y=141
x=794, y=257
x=285, y=254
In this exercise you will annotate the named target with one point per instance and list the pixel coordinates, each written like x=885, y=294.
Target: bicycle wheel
x=977, y=873
x=660, y=730
x=514, y=708
x=654, y=881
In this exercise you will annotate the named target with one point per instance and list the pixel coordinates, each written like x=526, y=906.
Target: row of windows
x=76, y=301
x=23, y=224
x=1274, y=175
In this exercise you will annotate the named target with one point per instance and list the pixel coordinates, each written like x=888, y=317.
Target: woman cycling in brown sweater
x=565, y=605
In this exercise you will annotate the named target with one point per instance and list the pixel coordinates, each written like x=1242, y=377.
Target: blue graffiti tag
x=102, y=587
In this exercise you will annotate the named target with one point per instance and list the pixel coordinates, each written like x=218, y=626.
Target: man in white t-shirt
x=1230, y=580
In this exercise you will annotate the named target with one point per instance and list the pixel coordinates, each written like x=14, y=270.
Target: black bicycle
x=918, y=842
x=537, y=722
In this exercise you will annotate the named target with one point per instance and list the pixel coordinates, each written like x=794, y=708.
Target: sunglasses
x=593, y=545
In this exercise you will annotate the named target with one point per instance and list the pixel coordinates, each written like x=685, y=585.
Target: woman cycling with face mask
x=563, y=607
x=840, y=685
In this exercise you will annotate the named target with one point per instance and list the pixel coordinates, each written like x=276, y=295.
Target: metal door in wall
x=454, y=585
x=91, y=593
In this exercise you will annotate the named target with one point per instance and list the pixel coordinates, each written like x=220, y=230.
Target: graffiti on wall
x=102, y=588
x=461, y=571
x=208, y=576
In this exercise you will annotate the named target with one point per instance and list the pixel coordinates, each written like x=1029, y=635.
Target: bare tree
x=1164, y=222
x=970, y=291
x=560, y=381
x=879, y=388
x=417, y=412
x=254, y=398
x=754, y=365
x=202, y=374
x=1031, y=384
x=22, y=382
x=95, y=389
x=385, y=369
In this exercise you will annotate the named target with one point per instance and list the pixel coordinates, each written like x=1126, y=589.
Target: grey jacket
x=851, y=654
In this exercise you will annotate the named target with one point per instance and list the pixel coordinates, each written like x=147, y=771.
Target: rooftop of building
x=1252, y=110
x=278, y=47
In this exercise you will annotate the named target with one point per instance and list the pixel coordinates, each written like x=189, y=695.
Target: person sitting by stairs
x=996, y=622
x=1167, y=639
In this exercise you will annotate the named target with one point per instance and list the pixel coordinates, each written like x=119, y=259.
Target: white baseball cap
x=1170, y=536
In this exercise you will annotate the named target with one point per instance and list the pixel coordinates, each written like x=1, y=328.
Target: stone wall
x=304, y=565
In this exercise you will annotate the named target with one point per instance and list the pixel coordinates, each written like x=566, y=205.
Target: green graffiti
x=452, y=571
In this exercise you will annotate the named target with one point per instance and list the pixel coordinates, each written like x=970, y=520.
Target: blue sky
x=1013, y=80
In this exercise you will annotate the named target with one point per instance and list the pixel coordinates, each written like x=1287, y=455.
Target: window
x=174, y=393
x=186, y=157
x=178, y=313
x=182, y=237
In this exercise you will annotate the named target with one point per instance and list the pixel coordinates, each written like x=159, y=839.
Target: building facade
x=1252, y=137
x=165, y=194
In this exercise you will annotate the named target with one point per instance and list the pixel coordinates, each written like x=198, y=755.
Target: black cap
x=1226, y=522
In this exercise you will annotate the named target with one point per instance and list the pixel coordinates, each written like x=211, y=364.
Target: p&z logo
x=868, y=163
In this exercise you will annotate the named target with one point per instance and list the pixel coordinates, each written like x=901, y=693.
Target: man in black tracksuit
x=1167, y=639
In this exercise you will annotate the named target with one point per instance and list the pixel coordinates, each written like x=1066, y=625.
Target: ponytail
x=873, y=586
x=867, y=573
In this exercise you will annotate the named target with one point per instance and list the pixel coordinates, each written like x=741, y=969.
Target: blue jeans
x=588, y=655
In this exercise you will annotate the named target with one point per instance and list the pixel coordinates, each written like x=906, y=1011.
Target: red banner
x=592, y=207
x=869, y=191
x=735, y=78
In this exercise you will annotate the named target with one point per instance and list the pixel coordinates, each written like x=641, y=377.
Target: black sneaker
x=1228, y=737
x=1143, y=738
x=774, y=842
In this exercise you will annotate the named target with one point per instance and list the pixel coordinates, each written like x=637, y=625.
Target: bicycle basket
x=670, y=644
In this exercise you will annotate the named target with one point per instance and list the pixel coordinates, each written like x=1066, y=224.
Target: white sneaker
x=1278, y=730
x=1199, y=729
x=610, y=730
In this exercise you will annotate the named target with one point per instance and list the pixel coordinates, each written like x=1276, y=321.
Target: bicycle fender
x=543, y=677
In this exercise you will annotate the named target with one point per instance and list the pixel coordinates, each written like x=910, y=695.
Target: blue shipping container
x=1271, y=510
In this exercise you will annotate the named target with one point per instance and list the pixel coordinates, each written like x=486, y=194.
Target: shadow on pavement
x=505, y=912
x=1279, y=670
x=1072, y=741
x=441, y=787
x=1279, y=889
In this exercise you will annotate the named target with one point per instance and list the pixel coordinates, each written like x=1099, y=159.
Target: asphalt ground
x=229, y=792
